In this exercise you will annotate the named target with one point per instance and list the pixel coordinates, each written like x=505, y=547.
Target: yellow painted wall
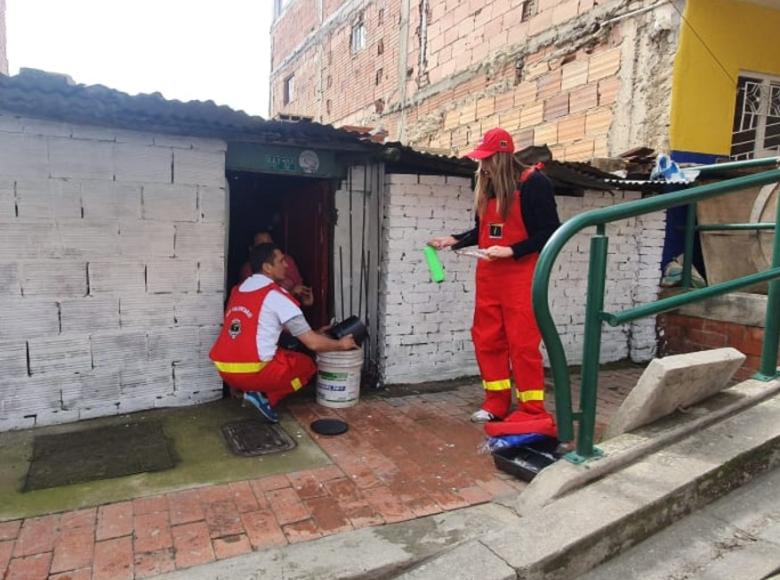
x=744, y=37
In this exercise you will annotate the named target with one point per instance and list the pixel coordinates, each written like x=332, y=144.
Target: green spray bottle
x=434, y=265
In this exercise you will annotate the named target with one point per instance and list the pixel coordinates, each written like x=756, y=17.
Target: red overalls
x=235, y=351
x=505, y=333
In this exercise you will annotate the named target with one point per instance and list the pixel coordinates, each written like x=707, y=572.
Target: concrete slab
x=381, y=552
x=581, y=530
x=673, y=382
x=564, y=477
x=204, y=458
x=470, y=561
x=732, y=538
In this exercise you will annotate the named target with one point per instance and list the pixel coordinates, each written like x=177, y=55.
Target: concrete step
x=737, y=536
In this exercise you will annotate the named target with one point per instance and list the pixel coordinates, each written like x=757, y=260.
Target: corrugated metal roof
x=51, y=96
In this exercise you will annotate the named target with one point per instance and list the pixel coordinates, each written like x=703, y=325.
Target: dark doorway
x=298, y=213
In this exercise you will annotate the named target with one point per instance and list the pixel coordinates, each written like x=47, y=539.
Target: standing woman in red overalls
x=516, y=215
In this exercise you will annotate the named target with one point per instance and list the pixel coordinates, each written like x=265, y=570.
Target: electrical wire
x=704, y=44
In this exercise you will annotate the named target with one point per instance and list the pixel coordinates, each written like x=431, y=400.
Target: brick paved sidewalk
x=403, y=458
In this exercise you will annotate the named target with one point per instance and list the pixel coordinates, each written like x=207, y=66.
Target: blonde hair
x=504, y=172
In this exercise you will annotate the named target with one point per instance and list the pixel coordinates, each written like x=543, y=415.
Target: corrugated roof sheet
x=51, y=96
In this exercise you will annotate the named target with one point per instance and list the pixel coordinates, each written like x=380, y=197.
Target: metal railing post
x=767, y=369
x=591, y=348
x=690, y=234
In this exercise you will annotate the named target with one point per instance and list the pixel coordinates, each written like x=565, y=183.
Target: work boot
x=259, y=402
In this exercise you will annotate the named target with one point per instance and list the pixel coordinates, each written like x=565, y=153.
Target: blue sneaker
x=259, y=401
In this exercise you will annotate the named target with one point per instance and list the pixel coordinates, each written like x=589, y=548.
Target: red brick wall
x=299, y=20
x=565, y=97
x=680, y=334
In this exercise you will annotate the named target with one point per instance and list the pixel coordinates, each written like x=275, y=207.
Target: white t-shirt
x=276, y=311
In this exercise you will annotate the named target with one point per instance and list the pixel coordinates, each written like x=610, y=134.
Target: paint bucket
x=338, y=378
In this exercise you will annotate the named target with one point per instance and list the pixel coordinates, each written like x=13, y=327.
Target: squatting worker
x=515, y=215
x=246, y=352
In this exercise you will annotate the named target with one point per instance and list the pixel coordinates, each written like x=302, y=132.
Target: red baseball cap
x=494, y=141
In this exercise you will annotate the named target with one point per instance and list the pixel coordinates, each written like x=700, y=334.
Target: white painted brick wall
x=426, y=326
x=111, y=270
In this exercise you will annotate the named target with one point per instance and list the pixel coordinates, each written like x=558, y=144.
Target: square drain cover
x=102, y=453
x=250, y=438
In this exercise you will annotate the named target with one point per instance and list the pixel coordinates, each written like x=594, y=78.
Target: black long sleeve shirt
x=540, y=215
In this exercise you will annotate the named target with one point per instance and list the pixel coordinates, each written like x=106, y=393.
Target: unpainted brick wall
x=553, y=78
x=111, y=270
x=427, y=326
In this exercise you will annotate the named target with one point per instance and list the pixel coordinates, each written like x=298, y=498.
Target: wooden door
x=307, y=238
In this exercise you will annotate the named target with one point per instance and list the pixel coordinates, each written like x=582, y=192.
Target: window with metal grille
x=756, y=131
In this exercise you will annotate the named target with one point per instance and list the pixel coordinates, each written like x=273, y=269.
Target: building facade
x=588, y=79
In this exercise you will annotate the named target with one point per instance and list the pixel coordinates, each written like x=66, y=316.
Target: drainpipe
x=321, y=88
x=403, y=65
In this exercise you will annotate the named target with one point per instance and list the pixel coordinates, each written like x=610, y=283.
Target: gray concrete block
x=146, y=380
x=10, y=283
x=742, y=307
x=13, y=358
x=144, y=239
x=112, y=350
x=171, y=275
x=199, y=310
x=48, y=199
x=199, y=167
x=28, y=239
x=198, y=376
x=89, y=239
x=81, y=159
x=56, y=278
x=120, y=277
x=60, y=355
x=99, y=410
x=86, y=390
x=109, y=199
x=673, y=382
x=169, y=202
x=469, y=561
x=190, y=143
x=24, y=318
x=146, y=312
x=23, y=156
x=20, y=397
x=89, y=314
x=140, y=163
x=7, y=199
x=211, y=275
x=207, y=336
x=174, y=344
x=212, y=204
x=200, y=240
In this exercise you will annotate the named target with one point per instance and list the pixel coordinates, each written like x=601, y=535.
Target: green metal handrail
x=595, y=316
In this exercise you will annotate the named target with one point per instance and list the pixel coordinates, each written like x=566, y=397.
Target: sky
x=184, y=49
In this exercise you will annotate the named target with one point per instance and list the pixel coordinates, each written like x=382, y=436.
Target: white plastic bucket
x=338, y=378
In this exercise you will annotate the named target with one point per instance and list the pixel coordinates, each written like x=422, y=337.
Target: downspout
x=403, y=65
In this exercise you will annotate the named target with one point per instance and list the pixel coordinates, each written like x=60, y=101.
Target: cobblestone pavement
x=403, y=457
